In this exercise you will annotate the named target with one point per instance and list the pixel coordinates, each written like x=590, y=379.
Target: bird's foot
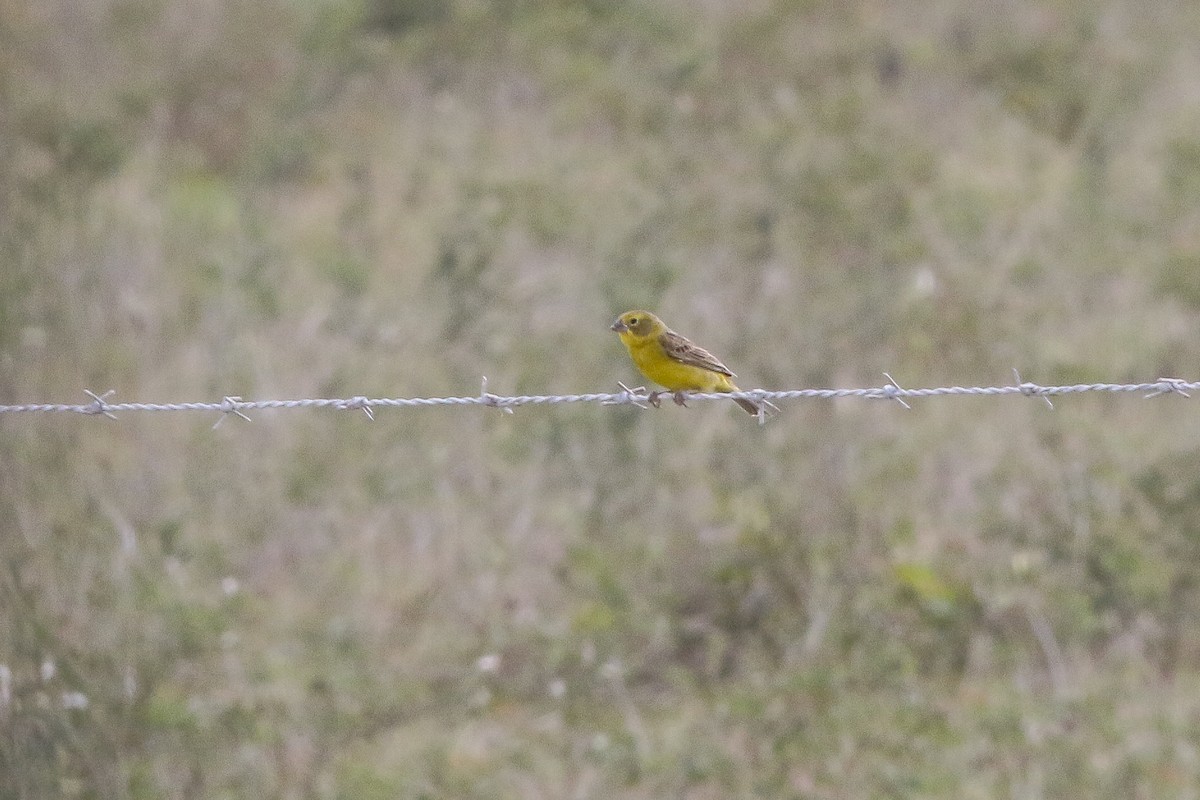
x=653, y=399
x=679, y=400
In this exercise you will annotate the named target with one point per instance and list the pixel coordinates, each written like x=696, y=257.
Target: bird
x=667, y=358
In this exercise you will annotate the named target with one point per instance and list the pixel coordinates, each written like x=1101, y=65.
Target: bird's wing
x=683, y=351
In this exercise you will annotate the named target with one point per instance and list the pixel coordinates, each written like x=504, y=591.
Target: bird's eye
x=633, y=320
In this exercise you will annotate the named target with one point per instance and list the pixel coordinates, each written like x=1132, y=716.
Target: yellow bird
x=669, y=359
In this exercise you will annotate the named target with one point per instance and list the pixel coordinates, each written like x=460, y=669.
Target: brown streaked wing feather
x=683, y=351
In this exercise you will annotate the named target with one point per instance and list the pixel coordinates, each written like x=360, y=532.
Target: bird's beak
x=619, y=327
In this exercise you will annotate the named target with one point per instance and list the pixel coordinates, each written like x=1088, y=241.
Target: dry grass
x=975, y=598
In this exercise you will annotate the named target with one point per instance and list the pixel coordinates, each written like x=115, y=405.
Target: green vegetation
x=976, y=598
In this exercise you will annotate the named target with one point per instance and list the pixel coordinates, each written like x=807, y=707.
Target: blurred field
x=976, y=598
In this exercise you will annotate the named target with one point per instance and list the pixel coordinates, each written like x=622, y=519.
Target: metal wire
x=100, y=405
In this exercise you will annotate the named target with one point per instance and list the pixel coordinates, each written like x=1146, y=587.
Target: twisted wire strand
x=100, y=404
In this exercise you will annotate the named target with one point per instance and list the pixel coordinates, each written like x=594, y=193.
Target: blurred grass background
x=292, y=198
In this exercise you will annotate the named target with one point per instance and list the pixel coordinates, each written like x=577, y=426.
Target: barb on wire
x=1168, y=385
x=492, y=400
x=100, y=404
x=633, y=397
x=230, y=406
x=359, y=402
x=1030, y=389
x=765, y=406
x=894, y=391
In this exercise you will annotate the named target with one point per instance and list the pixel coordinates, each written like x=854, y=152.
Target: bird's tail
x=750, y=406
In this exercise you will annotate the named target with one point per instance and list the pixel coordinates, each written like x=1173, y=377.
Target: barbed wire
x=100, y=404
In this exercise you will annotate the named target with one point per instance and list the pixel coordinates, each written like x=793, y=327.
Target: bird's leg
x=653, y=400
x=679, y=399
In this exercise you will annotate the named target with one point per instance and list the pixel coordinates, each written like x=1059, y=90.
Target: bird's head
x=638, y=324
